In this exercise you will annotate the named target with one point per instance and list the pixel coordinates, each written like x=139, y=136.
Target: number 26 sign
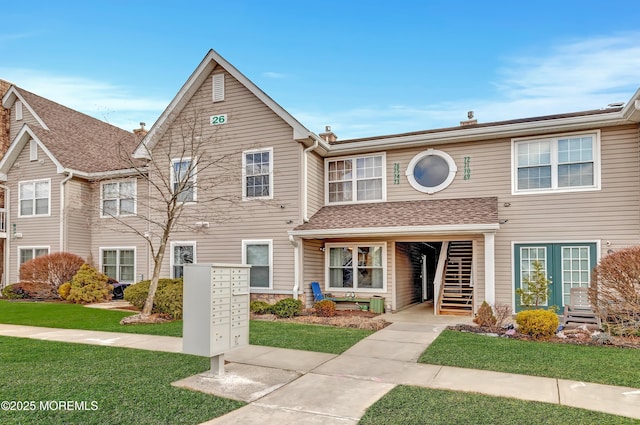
x=218, y=119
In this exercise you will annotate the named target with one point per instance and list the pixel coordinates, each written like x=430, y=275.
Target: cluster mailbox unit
x=215, y=310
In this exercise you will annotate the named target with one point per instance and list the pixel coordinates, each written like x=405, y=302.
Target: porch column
x=489, y=268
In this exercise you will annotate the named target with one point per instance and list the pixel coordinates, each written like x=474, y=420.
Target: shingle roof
x=436, y=212
x=482, y=125
x=78, y=141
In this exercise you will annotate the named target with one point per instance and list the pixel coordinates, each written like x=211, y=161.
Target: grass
x=604, y=365
x=127, y=386
x=413, y=405
x=324, y=339
x=75, y=316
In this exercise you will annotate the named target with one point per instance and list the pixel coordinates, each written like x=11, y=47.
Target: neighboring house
x=61, y=168
x=455, y=215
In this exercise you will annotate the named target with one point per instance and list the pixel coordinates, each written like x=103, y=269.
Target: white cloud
x=103, y=100
x=276, y=75
x=574, y=76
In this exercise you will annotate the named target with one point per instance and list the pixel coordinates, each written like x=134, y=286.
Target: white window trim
x=135, y=198
x=118, y=249
x=195, y=178
x=182, y=243
x=354, y=180
x=48, y=214
x=554, y=164
x=453, y=169
x=31, y=247
x=244, y=174
x=354, y=246
x=269, y=242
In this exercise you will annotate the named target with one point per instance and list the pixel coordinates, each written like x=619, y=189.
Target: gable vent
x=18, y=110
x=218, y=87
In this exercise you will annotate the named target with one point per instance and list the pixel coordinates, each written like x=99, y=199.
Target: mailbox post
x=215, y=311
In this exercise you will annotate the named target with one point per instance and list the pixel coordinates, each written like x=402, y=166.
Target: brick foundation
x=274, y=298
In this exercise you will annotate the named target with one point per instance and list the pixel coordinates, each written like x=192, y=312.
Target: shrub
x=29, y=290
x=168, y=299
x=260, y=307
x=89, y=286
x=325, y=308
x=540, y=324
x=287, y=307
x=54, y=269
x=13, y=292
x=615, y=291
x=64, y=290
x=485, y=316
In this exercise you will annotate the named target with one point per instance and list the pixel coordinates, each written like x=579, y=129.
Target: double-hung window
x=119, y=263
x=34, y=198
x=356, y=266
x=29, y=253
x=257, y=174
x=562, y=163
x=118, y=198
x=181, y=253
x=355, y=179
x=183, y=179
x=258, y=253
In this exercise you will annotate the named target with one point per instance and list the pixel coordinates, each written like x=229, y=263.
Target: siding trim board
x=449, y=229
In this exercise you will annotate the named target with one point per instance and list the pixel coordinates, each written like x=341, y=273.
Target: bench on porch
x=348, y=298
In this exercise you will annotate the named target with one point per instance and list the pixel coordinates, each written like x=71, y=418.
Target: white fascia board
x=10, y=98
x=24, y=135
x=125, y=172
x=492, y=132
x=210, y=61
x=396, y=231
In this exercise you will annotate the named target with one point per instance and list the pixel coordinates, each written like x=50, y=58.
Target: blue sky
x=364, y=67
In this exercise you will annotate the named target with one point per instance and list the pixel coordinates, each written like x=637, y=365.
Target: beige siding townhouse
x=62, y=173
x=456, y=216
x=453, y=216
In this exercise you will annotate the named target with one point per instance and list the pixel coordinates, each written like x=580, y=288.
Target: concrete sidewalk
x=290, y=386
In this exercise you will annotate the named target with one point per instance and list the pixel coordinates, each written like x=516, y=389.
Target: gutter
x=305, y=191
x=296, y=266
x=7, y=240
x=62, y=208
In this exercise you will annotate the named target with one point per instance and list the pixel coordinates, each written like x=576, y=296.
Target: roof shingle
x=436, y=212
x=78, y=141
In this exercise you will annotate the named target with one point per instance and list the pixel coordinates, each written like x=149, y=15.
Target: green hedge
x=168, y=299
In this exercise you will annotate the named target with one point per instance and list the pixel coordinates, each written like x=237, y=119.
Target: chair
x=579, y=308
x=317, y=293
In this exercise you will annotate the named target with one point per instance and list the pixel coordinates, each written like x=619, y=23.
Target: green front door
x=566, y=265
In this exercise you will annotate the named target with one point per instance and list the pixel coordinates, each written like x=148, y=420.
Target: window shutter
x=218, y=87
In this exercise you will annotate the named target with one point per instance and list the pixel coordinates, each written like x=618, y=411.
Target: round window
x=431, y=171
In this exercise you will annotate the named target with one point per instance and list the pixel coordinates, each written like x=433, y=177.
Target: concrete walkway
x=291, y=386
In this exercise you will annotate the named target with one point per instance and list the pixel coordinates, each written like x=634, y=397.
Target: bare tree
x=187, y=167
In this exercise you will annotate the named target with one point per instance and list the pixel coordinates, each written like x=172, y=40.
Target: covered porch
x=407, y=252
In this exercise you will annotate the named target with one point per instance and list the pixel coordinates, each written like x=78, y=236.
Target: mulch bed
x=356, y=319
x=577, y=336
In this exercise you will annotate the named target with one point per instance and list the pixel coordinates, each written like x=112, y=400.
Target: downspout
x=7, y=240
x=62, y=208
x=305, y=191
x=296, y=266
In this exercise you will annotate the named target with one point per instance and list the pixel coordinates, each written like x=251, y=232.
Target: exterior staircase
x=456, y=291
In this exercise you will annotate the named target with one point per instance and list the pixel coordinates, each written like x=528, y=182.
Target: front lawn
x=85, y=384
x=324, y=339
x=603, y=365
x=417, y=406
